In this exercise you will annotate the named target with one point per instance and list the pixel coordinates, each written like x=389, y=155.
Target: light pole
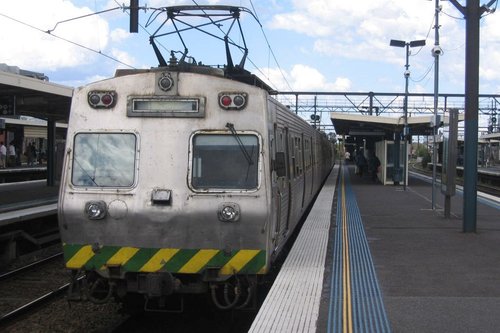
x=436, y=52
x=407, y=45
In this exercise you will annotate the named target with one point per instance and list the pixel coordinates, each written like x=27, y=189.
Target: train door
x=304, y=169
x=312, y=162
x=283, y=183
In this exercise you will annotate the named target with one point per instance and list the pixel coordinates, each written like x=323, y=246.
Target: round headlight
x=165, y=83
x=95, y=210
x=94, y=99
x=229, y=212
x=238, y=100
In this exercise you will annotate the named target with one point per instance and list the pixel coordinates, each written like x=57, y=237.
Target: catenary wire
x=66, y=40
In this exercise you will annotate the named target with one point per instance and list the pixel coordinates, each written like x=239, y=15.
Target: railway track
x=28, y=287
x=33, y=299
x=482, y=187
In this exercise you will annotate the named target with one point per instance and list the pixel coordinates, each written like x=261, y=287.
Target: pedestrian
x=373, y=165
x=31, y=154
x=3, y=155
x=360, y=162
x=11, y=155
x=347, y=155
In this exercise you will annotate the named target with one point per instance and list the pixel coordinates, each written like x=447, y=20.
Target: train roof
x=239, y=75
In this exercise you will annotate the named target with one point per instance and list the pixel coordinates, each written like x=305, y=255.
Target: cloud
x=33, y=49
x=303, y=78
x=362, y=31
x=119, y=35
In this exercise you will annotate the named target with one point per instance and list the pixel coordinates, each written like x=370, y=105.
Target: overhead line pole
x=472, y=13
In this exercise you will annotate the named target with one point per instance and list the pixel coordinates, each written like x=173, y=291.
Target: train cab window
x=104, y=159
x=222, y=161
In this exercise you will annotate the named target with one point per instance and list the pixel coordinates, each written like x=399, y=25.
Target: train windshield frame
x=104, y=159
x=225, y=162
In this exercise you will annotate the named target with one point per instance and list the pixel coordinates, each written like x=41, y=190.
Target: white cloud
x=361, y=30
x=29, y=48
x=118, y=35
x=303, y=78
x=122, y=56
x=306, y=78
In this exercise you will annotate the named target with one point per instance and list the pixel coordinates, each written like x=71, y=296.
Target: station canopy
x=21, y=95
x=359, y=125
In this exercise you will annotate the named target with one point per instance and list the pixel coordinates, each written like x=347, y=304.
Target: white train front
x=182, y=181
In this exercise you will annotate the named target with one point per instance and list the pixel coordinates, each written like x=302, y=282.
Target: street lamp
x=407, y=45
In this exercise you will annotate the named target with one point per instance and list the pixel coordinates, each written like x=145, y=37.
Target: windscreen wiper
x=86, y=173
x=242, y=146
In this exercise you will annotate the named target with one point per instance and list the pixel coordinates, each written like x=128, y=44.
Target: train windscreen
x=104, y=159
x=223, y=161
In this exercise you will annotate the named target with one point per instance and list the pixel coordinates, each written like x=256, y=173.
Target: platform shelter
x=26, y=93
x=383, y=136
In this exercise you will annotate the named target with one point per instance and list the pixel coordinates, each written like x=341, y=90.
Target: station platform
x=391, y=264
x=22, y=173
x=22, y=201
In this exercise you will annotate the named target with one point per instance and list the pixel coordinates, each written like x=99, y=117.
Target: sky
x=296, y=45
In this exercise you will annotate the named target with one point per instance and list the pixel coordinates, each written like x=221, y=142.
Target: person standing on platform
x=373, y=164
x=11, y=158
x=360, y=162
x=3, y=155
x=31, y=154
x=347, y=155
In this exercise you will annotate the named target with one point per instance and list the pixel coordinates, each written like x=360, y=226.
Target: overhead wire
x=144, y=28
x=271, y=52
x=424, y=76
x=270, y=48
x=121, y=6
x=49, y=32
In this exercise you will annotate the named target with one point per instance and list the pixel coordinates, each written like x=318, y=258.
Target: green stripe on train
x=134, y=259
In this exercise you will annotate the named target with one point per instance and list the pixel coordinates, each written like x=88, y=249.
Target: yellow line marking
x=347, y=301
x=238, y=261
x=196, y=263
x=122, y=256
x=80, y=258
x=158, y=260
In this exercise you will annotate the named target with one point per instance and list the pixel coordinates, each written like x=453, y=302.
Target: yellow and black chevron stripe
x=188, y=261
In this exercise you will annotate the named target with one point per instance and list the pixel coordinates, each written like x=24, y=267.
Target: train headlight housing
x=228, y=212
x=102, y=99
x=96, y=210
x=165, y=82
x=233, y=101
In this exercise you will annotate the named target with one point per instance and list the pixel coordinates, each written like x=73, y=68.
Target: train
x=182, y=180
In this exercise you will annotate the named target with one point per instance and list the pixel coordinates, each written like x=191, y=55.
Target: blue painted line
x=356, y=303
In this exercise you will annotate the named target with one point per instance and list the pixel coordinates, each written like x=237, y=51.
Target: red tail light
x=102, y=99
x=233, y=101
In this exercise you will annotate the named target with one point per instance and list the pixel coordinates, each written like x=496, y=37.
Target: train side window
x=280, y=165
x=104, y=159
x=222, y=161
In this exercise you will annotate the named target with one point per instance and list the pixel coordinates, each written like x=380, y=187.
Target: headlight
x=233, y=100
x=96, y=210
x=228, y=212
x=102, y=99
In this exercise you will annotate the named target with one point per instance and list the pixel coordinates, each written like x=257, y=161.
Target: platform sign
x=450, y=138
